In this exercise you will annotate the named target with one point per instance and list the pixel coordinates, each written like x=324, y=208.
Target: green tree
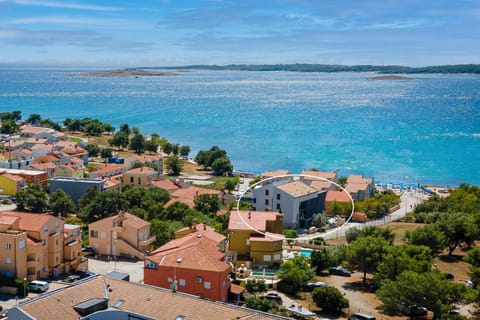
x=151, y=146
x=222, y=166
x=294, y=275
x=184, y=151
x=258, y=303
x=175, y=149
x=72, y=125
x=119, y=140
x=207, y=203
x=92, y=149
x=102, y=205
x=61, y=203
x=202, y=158
x=254, y=286
x=137, y=143
x=429, y=235
x=230, y=184
x=34, y=119
x=473, y=257
x=329, y=299
x=167, y=148
x=458, y=228
x=174, y=165
x=14, y=115
x=9, y=126
x=403, y=258
x=321, y=260
x=92, y=128
x=107, y=127
x=385, y=233
x=33, y=199
x=177, y=211
x=163, y=230
x=342, y=181
x=106, y=153
x=366, y=253
x=429, y=289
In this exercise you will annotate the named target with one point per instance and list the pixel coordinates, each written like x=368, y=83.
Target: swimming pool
x=261, y=274
x=306, y=253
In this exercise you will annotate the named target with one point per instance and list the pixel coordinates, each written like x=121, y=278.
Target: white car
x=38, y=286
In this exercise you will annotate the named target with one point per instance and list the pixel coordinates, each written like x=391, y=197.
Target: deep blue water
x=425, y=130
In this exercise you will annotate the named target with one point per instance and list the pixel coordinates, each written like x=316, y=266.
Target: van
x=361, y=316
x=38, y=286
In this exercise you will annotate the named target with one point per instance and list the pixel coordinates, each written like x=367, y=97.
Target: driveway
x=103, y=266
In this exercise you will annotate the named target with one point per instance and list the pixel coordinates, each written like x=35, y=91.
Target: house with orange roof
x=10, y=184
x=30, y=176
x=318, y=179
x=121, y=235
x=205, y=231
x=32, y=131
x=33, y=246
x=15, y=159
x=187, y=195
x=256, y=238
x=295, y=199
x=359, y=187
x=69, y=153
x=273, y=174
x=101, y=297
x=141, y=177
x=30, y=142
x=68, y=170
x=156, y=159
x=40, y=150
x=334, y=197
x=112, y=184
x=191, y=264
x=107, y=170
x=165, y=184
x=47, y=167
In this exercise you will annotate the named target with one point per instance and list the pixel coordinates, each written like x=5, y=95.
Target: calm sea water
x=425, y=130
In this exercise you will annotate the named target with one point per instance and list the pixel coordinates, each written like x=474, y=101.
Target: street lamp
x=25, y=287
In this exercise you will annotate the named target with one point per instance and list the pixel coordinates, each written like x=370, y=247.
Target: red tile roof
x=13, y=177
x=205, y=231
x=143, y=170
x=251, y=219
x=165, y=184
x=330, y=175
x=338, y=196
x=187, y=195
x=30, y=221
x=271, y=174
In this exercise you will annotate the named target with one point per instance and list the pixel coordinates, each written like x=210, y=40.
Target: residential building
x=295, y=199
x=35, y=246
x=156, y=159
x=359, y=187
x=121, y=235
x=30, y=176
x=318, y=179
x=141, y=177
x=187, y=195
x=166, y=184
x=277, y=173
x=334, y=197
x=105, y=298
x=107, y=170
x=112, y=184
x=10, y=184
x=68, y=170
x=256, y=238
x=191, y=264
x=74, y=187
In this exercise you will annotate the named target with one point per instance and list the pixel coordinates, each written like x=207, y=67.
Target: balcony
x=117, y=229
x=147, y=242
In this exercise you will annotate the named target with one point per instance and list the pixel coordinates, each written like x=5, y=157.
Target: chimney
x=204, y=226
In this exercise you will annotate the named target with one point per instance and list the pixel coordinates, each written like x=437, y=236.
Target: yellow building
x=10, y=184
x=121, y=235
x=70, y=171
x=256, y=238
x=36, y=246
x=142, y=176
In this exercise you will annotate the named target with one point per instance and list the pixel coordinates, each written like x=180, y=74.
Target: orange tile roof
x=187, y=195
x=130, y=219
x=193, y=252
x=8, y=220
x=143, y=170
x=111, y=182
x=338, y=196
x=13, y=177
x=330, y=175
x=297, y=189
x=205, y=231
x=359, y=179
x=34, y=130
x=321, y=185
x=251, y=219
x=36, y=141
x=165, y=184
x=46, y=158
x=109, y=168
x=271, y=174
x=30, y=221
x=41, y=146
x=150, y=301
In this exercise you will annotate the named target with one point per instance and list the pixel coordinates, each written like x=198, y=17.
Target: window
x=267, y=257
x=139, y=180
x=207, y=285
x=45, y=228
x=254, y=200
x=57, y=224
x=8, y=260
x=103, y=235
x=266, y=202
x=198, y=279
x=170, y=280
x=150, y=264
x=278, y=206
x=278, y=196
x=131, y=180
x=276, y=257
x=56, y=242
x=267, y=192
x=140, y=236
x=21, y=244
x=181, y=282
x=56, y=259
x=93, y=234
x=8, y=246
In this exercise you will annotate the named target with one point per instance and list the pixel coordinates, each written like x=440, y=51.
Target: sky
x=184, y=32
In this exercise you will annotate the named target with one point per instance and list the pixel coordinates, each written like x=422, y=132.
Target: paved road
x=408, y=202
x=103, y=266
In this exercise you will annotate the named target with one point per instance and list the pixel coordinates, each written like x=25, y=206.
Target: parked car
x=274, y=297
x=88, y=250
x=72, y=278
x=339, y=271
x=38, y=286
x=312, y=285
x=84, y=273
x=412, y=310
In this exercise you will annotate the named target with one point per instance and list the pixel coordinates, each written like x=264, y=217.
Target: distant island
x=298, y=67
x=391, y=78
x=124, y=73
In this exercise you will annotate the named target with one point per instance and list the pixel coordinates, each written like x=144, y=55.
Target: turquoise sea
x=425, y=130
